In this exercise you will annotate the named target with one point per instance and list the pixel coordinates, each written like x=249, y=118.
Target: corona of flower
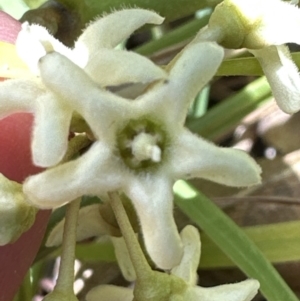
x=263, y=27
x=180, y=285
x=94, y=52
x=142, y=146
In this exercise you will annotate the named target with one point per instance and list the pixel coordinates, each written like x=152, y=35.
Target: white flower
x=95, y=54
x=142, y=146
x=16, y=215
x=263, y=27
x=181, y=283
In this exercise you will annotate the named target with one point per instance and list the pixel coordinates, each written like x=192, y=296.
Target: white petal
x=18, y=95
x=16, y=215
x=51, y=130
x=283, y=76
x=187, y=269
x=93, y=173
x=109, y=293
x=34, y=41
x=116, y=67
x=123, y=258
x=195, y=157
x=100, y=108
x=262, y=18
x=189, y=73
x=242, y=291
x=112, y=29
x=152, y=198
x=89, y=224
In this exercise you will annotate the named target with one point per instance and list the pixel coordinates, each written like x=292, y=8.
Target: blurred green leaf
x=224, y=116
x=232, y=241
x=89, y=9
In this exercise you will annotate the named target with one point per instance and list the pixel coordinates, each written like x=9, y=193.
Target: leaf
x=232, y=241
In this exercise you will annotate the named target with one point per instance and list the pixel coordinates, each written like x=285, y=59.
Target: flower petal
x=195, y=157
x=51, y=131
x=100, y=108
x=152, y=198
x=242, y=291
x=18, y=95
x=110, y=293
x=283, y=76
x=121, y=67
x=123, y=258
x=187, y=269
x=89, y=224
x=34, y=41
x=94, y=173
x=189, y=73
x=109, y=31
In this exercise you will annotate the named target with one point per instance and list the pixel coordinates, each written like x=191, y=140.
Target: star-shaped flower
x=142, y=146
x=254, y=24
x=94, y=52
x=181, y=283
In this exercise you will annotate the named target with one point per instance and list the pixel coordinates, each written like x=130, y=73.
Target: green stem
x=140, y=264
x=66, y=271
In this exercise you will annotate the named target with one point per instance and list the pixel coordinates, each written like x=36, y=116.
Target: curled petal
x=100, y=108
x=152, y=198
x=90, y=224
x=187, y=269
x=242, y=291
x=123, y=258
x=51, y=130
x=282, y=75
x=118, y=67
x=34, y=41
x=109, y=31
x=18, y=95
x=110, y=293
x=195, y=157
x=93, y=173
x=190, y=72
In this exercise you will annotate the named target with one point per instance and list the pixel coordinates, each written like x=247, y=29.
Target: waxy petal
x=100, y=108
x=91, y=174
x=117, y=67
x=90, y=224
x=187, y=269
x=188, y=74
x=111, y=30
x=283, y=76
x=195, y=157
x=51, y=131
x=152, y=197
x=18, y=95
x=109, y=293
x=242, y=291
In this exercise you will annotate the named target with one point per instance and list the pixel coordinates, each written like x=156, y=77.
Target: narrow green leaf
x=271, y=239
x=232, y=240
x=96, y=252
x=175, y=36
x=89, y=9
x=247, y=66
x=224, y=116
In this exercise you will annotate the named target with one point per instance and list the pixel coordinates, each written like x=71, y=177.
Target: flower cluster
x=255, y=25
x=139, y=146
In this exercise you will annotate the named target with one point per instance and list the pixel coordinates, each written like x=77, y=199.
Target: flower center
x=141, y=144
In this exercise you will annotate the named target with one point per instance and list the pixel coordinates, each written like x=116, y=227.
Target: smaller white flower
x=142, y=147
x=263, y=27
x=181, y=284
x=16, y=215
x=94, y=52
